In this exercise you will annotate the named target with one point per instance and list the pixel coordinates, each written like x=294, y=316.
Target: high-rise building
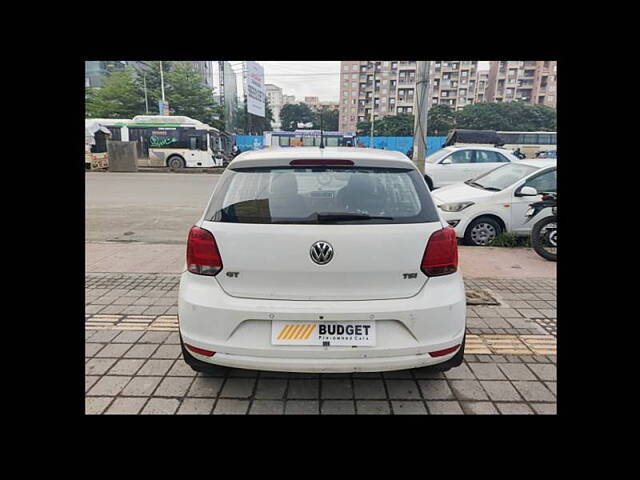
x=96, y=71
x=288, y=99
x=276, y=101
x=390, y=88
x=529, y=81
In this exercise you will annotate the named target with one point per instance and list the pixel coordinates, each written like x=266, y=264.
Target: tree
x=506, y=116
x=187, y=95
x=118, y=97
x=292, y=114
x=330, y=119
x=388, y=126
x=440, y=120
x=258, y=124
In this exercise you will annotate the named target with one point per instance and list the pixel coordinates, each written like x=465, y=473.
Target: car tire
x=175, y=162
x=482, y=232
x=453, y=362
x=429, y=182
x=198, y=365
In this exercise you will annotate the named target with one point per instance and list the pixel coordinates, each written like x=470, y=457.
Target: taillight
x=203, y=256
x=441, y=255
x=446, y=351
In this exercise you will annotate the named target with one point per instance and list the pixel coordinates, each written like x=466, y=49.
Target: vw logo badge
x=321, y=252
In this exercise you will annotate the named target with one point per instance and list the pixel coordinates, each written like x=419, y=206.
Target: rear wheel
x=544, y=238
x=176, y=162
x=482, y=232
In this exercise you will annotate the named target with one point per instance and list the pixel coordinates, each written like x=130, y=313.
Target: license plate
x=349, y=333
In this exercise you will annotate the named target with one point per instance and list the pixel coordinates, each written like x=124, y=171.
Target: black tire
x=482, y=232
x=198, y=365
x=175, y=162
x=537, y=241
x=453, y=362
x=429, y=182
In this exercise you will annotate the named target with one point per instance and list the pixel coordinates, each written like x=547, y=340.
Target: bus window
x=193, y=143
x=544, y=139
x=529, y=139
x=331, y=141
x=284, y=141
x=308, y=141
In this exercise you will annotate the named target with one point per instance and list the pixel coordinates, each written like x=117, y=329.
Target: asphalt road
x=144, y=207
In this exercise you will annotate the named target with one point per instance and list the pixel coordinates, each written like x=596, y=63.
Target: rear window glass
x=327, y=195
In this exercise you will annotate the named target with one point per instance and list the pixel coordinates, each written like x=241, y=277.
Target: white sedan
x=482, y=208
x=457, y=164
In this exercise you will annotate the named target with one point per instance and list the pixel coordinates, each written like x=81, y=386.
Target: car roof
x=370, y=157
x=453, y=148
x=539, y=162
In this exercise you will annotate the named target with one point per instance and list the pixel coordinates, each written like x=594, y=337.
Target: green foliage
x=330, y=119
x=389, y=126
x=118, y=97
x=509, y=239
x=292, y=114
x=186, y=94
x=441, y=119
x=258, y=125
x=506, y=116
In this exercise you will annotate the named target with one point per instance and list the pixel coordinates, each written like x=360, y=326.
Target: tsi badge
x=350, y=333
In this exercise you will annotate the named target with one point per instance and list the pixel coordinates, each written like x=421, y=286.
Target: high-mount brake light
x=203, y=256
x=320, y=161
x=441, y=255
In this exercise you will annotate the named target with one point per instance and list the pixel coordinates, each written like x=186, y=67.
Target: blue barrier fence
x=399, y=144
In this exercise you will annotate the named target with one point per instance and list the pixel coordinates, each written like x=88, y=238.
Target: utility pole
x=420, y=108
x=146, y=102
x=373, y=103
x=162, y=84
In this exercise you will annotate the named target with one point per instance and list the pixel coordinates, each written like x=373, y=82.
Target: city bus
x=308, y=138
x=172, y=141
x=529, y=143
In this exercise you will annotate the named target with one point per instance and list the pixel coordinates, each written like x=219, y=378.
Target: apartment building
x=276, y=101
x=388, y=87
x=529, y=81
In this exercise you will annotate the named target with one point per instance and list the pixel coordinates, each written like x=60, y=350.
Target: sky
x=306, y=78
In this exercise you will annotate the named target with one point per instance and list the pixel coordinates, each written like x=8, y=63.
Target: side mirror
x=527, y=192
x=446, y=161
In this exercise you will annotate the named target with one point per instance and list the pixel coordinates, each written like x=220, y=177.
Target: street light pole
x=162, y=82
x=373, y=103
x=421, y=107
x=146, y=102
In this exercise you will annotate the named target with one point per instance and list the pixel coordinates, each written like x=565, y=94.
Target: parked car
x=482, y=208
x=456, y=164
x=547, y=154
x=322, y=260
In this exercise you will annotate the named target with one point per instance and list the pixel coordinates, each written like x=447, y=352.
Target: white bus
x=308, y=138
x=172, y=141
x=529, y=143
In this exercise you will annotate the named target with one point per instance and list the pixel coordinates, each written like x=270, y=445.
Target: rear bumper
x=239, y=329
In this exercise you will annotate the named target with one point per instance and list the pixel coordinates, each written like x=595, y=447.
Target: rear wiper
x=336, y=217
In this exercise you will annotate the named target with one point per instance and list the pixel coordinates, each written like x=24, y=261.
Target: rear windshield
x=327, y=195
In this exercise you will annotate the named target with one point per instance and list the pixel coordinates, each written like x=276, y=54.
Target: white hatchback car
x=322, y=260
x=482, y=208
x=458, y=164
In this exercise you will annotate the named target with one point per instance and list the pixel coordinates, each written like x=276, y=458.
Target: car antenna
x=321, y=140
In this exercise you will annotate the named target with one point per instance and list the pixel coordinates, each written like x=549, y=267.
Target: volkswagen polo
x=322, y=260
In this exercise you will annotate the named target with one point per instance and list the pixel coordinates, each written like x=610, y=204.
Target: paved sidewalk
x=475, y=262
x=134, y=364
